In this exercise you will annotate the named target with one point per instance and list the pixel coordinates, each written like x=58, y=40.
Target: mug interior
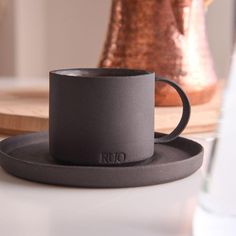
x=100, y=72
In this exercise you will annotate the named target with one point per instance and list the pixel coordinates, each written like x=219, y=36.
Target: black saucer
x=27, y=156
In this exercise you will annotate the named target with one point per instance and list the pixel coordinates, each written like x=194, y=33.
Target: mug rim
x=100, y=73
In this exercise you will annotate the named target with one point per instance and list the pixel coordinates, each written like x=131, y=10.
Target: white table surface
x=32, y=209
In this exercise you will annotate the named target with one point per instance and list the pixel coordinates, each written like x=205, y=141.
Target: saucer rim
x=189, y=166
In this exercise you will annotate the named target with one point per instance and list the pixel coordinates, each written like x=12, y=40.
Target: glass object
x=216, y=211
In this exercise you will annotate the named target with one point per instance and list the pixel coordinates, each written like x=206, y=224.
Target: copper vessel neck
x=167, y=37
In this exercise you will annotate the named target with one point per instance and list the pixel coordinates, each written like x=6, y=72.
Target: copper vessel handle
x=185, y=114
x=181, y=16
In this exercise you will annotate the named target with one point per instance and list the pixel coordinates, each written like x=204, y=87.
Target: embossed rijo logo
x=112, y=157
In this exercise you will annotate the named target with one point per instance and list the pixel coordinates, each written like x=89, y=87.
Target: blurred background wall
x=40, y=35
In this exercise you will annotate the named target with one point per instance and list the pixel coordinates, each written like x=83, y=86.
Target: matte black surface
x=101, y=116
x=105, y=116
x=27, y=156
x=185, y=114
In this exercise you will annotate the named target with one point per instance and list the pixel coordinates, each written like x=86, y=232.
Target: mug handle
x=185, y=114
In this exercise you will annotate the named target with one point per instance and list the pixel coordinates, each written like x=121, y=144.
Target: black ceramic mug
x=105, y=116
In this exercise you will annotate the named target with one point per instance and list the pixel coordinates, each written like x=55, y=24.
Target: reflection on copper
x=165, y=36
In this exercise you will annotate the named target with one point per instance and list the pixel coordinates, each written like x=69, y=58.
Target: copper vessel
x=165, y=36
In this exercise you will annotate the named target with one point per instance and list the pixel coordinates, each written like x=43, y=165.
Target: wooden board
x=24, y=108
